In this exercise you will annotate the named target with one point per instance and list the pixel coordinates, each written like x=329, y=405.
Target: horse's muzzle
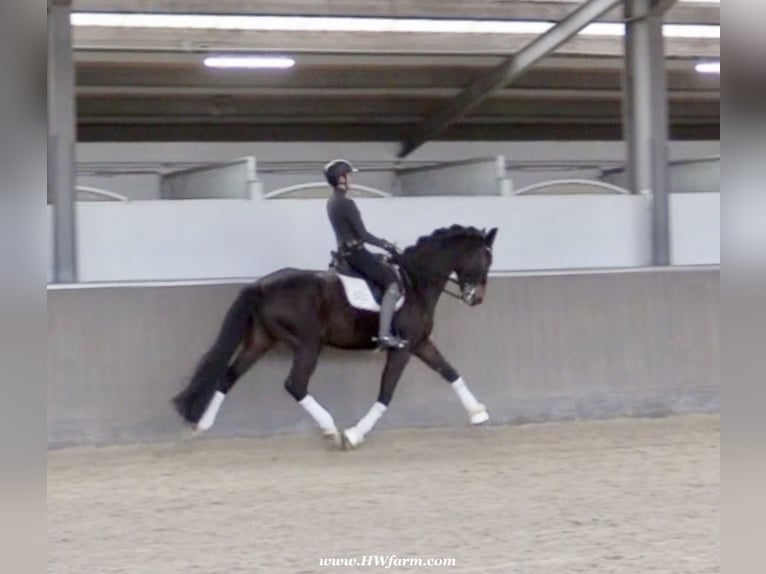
x=473, y=295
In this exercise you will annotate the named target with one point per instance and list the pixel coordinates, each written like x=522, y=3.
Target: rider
x=351, y=235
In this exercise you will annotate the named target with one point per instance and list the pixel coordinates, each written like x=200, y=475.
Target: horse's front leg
x=395, y=364
x=430, y=355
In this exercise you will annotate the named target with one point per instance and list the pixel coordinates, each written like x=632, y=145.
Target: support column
x=61, y=139
x=646, y=116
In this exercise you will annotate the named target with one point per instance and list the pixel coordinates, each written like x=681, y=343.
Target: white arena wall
x=231, y=238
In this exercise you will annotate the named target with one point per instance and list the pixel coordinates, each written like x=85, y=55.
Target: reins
x=430, y=274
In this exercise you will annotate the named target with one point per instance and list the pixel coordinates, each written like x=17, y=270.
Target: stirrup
x=390, y=342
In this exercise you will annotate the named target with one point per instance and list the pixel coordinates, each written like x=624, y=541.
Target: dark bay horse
x=308, y=310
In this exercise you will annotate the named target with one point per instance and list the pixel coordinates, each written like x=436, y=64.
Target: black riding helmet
x=337, y=168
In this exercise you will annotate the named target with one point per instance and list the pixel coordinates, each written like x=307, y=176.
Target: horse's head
x=463, y=251
x=472, y=267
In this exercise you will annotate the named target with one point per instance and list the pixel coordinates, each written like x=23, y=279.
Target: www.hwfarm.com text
x=392, y=561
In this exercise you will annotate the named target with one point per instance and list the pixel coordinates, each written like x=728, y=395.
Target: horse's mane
x=443, y=234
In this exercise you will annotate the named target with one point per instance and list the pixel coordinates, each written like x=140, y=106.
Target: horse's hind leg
x=306, y=346
x=254, y=348
x=256, y=344
x=304, y=363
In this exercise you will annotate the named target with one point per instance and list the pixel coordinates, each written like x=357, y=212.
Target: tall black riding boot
x=385, y=338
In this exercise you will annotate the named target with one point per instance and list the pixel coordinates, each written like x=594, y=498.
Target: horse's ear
x=490, y=237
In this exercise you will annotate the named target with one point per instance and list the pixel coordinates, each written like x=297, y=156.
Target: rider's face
x=343, y=182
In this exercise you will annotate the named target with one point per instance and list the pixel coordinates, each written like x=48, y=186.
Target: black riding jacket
x=347, y=223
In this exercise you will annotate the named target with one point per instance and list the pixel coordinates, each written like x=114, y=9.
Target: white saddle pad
x=360, y=296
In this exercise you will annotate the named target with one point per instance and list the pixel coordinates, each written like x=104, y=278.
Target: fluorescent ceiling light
x=691, y=31
x=306, y=24
x=603, y=29
x=709, y=67
x=351, y=24
x=668, y=30
x=249, y=62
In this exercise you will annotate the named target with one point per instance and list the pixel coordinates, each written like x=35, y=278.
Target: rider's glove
x=391, y=248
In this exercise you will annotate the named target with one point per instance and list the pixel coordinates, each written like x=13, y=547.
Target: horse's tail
x=194, y=399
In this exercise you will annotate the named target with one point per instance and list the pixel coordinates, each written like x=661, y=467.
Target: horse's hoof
x=333, y=437
x=189, y=433
x=479, y=416
x=351, y=439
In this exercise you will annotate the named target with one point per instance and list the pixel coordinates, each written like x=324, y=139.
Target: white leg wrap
x=211, y=412
x=368, y=421
x=466, y=397
x=355, y=435
x=476, y=411
x=319, y=414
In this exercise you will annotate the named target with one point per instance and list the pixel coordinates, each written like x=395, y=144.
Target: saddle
x=361, y=292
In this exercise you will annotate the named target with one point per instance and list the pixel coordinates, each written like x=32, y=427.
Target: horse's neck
x=430, y=270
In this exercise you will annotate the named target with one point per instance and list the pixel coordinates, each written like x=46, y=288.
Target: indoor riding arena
x=187, y=149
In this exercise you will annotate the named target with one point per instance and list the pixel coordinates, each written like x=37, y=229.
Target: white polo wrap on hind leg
x=319, y=414
x=211, y=412
x=357, y=433
x=369, y=420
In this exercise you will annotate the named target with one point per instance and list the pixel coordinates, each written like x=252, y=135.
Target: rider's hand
x=392, y=249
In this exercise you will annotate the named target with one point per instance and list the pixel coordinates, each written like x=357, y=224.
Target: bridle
x=467, y=291
x=448, y=279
